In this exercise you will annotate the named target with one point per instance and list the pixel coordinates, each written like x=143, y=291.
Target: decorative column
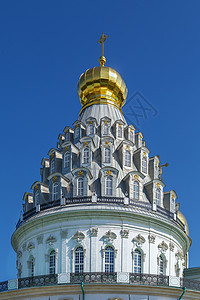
x=124, y=250
x=93, y=249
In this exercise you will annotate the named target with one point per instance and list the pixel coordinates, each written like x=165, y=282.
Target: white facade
x=100, y=215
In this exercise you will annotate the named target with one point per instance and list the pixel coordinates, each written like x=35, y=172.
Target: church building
x=100, y=222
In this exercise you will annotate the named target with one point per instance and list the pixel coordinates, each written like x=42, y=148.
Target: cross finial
x=102, y=40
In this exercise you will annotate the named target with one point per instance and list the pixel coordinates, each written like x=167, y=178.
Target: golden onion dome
x=101, y=85
x=183, y=220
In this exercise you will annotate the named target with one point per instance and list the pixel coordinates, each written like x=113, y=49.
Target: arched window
x=158, y=196
x=107, y=155
x=55, y=193
x=136, y=190
x=32, y=267
x=108, y=186
x=131, y=136
x=52, y=262
x=127, y=158
x=37, y=198
x=144, y=164
x=105, y=128
x=66, y=159
x=91, y=129
x=109, y=259
x=79, y=260
x=137, y=260
x=161, y=265
x=80, y=186
x=119, y=131
x=52, y=165
x=86, y=155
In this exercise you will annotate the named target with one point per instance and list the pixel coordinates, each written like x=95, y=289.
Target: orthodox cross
x=102, y=40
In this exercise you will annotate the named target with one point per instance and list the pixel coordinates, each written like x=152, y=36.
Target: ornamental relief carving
x=124, y=233
x=109, y=237
x=171, y=246
x=40, y=239
x=179, y=255
x=93, y=231
x=139, y=240
x=51, y=240
x=78, y=236
x=152, y=238
x=30, y=246
x=163, y=247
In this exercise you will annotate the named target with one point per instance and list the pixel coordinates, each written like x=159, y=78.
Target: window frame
x=119, y=131
x=109, y=186
x=109, y=263
x=107, y=155
x=127, y=158
x=136, y=190
x=55, y=193
x=86, y=155
x=137, y=261
x=79, y=260
x=80, y=189
x=53, y=165
x=144, y=164
x=52, y=262
x=66, y=159
x=158, y=196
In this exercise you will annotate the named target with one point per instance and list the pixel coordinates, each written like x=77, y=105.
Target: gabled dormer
x=169, y=200
x=81, y=182
x=154, y=190
x=79, y=131
x=134, y=185
x=44, y=171
x=68, y=132
x=91, y=127
x=70, y=157
x=86, y=151
x=40, y=193
x=59, y=186
x=118, y=128
x=28, y=202
x=141, y=160
x=130, y=133
x=138, y=139
x=107, y=144
x=105, y=126
x=55, y=158
x=125, y=151
x=108, y=178
x=154, y=167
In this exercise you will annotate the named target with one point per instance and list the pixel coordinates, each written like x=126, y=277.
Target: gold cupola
x=102, y=85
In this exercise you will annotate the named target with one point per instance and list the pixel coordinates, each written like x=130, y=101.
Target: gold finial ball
x=102, y=61
x=102, y=85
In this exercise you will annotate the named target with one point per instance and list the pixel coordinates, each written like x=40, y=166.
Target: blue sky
x=44, y=48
